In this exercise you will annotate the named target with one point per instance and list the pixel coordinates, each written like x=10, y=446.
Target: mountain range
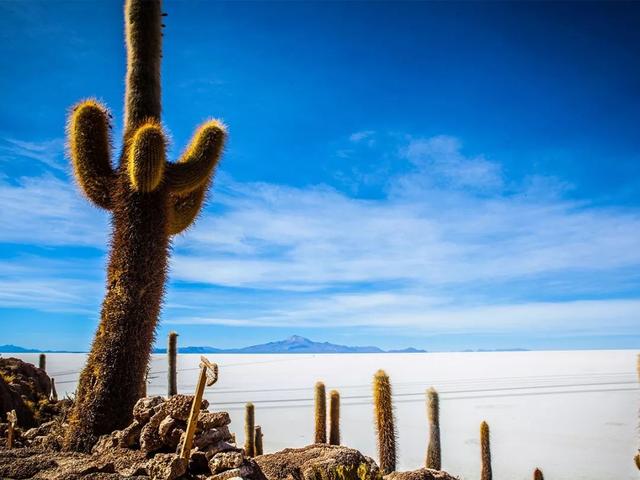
x=293, y=344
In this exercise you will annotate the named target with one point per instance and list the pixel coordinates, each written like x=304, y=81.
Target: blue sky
x=440, y=175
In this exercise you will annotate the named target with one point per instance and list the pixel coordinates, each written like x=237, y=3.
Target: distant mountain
x=407, y=350
x=16, y=349
x=293, y=344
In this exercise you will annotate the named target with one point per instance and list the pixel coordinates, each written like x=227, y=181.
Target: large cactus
x=150, y=200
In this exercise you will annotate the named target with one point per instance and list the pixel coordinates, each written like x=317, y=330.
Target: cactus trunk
x=150, y=199
x=384, y=422
x=249, y=430
x=42, y=362
x=258, y=440
x=320, y=414
x=537, y=474
x=112, y=379
x=334, y=416
x=434, y=455
x=172, y=352
x=485, y=452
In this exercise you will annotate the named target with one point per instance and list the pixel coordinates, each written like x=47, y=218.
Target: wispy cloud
x=47, y=152
x=448, y=245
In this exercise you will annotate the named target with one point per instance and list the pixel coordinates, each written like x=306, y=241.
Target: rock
x=179, y=406
x=25, y=389
x=211, y=450
x=198, y=463
x=150, y=440
x=106, y=443
x=227, y=475
x=420, y=474
x=166, y=427
x=317, y=461
x=130, y=436
x=224, y=461
x=166, y=466
x=212, y=436
x=207, y=420
x=143, y=409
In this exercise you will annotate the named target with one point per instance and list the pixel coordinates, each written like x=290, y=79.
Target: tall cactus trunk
x=334, y=418
x=111, y=382
x=384, y=422
x=42, y=362
x=434, y=455
x=150, y=200
x=320, y=413
x=172, y=353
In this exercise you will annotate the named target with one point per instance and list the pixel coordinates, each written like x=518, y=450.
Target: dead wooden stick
x=12, y=418
x=208, y=376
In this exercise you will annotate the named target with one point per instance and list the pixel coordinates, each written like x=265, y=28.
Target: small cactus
x=334, y=417
x=434, y=455
x=485, y=452
x=42, y=362
x=249, y=430
x=384, y=422
x=172, y=352
x=637, y=460
x=321, y=413
x=537, y=474
x=258, y=440
x=54, y=393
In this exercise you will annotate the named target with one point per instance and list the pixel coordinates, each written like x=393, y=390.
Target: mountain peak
x=297, y=339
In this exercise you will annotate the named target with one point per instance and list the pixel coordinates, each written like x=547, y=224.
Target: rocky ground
x=149, y=447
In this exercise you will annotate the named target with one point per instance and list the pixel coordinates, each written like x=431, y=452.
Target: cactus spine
x=334, y=417
x=258, y=440
x=434, y=455
x=537, y=474
x=172, y=352
x=150, y=200
x=485, y=452
x=384, y=422
x=249, y=430
x=42, y=362
x=320, y=413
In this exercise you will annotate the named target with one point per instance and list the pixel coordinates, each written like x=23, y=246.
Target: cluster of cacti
x=249, y=430
x=42, y=362
x=384, y=422
x=334, y=417
x=434, y=455
x=258, y=441
x=485, y=452
x=150, y=200
x=321, y=413
x=172, y=375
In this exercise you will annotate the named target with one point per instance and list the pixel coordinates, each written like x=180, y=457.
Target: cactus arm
x=197, y=164
x=89, y=149
x=184, y=210
x=143, y=28
x=146, y=160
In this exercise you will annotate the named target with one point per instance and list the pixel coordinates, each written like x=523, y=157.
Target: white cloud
x=48, y=152
x=448, y=247
x=48, y=211
x=362, y=135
